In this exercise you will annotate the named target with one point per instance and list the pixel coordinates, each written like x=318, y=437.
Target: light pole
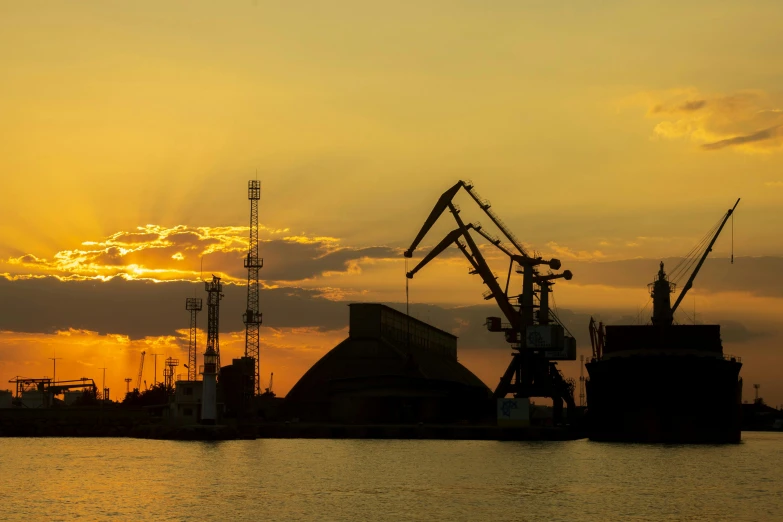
x=54, y=368
x=103, y=388
x=155, y=368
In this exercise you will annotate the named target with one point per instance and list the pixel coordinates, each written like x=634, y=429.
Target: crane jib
x=707, y=251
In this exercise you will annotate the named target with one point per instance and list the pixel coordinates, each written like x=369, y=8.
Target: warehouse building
x=391, y=369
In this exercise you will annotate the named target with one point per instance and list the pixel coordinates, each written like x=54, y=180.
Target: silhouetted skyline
x=608, y=136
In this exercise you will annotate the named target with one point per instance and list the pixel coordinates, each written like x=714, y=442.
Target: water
x=268, y=480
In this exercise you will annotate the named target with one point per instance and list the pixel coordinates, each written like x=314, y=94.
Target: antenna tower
x=193, y=305
x=215, y=294
x=253, y=263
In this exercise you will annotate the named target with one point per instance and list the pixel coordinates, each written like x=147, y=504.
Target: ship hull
x=664, y=398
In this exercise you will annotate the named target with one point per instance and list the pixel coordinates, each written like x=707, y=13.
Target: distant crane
x=141, y=370
x=756, y=388
x=536, y=342
x=268, y=391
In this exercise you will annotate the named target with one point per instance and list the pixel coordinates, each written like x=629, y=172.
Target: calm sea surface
x=129, y=479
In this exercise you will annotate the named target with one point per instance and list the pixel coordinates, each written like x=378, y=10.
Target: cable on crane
x=732, y=238
x=699, y=249
x=692, y=255
x=696, y=249
x=690, y=259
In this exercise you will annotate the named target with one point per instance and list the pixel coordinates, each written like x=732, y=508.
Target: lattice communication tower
x=214, y=295
x=193, y=305
x=253, y=263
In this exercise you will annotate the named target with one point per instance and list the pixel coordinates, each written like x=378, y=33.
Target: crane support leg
x=530, y=375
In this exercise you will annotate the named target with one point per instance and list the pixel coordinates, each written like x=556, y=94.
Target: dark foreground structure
x=664, y=383
x=392, y=369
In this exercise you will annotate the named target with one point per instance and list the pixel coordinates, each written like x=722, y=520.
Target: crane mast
x=536, y=341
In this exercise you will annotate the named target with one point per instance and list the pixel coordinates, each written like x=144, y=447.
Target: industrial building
x=392, y=368
x=6, y=399
x=186, y=405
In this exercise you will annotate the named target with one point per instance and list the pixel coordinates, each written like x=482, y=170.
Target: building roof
x=371, y=361
x=410, y=318
x=389, y=353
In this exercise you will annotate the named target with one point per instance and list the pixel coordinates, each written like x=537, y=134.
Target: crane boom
x=482, y=269
x=444, y=202
x=141, y=370
x=464, y=250
x=495, y=241
x=440, y=206
x=450, y=238
x=689, y=284
x=477, y=261
x=485, y=206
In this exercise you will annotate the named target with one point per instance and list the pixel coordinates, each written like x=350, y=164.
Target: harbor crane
x=537, y=339
x=268, y=391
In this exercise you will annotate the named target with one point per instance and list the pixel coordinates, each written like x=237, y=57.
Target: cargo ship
x=664, y=382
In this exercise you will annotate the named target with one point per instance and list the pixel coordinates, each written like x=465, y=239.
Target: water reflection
x=128, y=479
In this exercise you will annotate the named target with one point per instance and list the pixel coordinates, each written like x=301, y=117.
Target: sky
x=611, y=136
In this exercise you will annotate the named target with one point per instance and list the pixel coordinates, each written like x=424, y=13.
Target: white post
x=209, y=392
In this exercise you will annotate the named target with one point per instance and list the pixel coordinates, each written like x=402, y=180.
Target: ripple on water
x=129, y=479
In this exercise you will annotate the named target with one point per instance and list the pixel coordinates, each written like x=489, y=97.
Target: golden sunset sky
x=610, y=135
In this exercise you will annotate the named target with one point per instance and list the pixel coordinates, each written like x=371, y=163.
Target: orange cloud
x=176, y=253
x=747, y=121
x=567, y=253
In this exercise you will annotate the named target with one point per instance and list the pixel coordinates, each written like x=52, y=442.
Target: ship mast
x=661, y=293
x=663, y=311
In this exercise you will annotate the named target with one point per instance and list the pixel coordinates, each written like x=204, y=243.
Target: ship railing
x=729, y=357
